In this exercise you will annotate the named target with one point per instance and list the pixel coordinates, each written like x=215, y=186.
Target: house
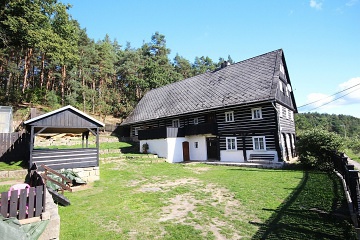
x=239, y=113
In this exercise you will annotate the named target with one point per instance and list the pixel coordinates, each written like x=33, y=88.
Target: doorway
x=212, y=146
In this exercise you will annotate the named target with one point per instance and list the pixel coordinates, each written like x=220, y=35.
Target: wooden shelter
x=64, y=120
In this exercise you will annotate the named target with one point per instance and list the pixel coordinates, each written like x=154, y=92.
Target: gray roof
x=245, y=82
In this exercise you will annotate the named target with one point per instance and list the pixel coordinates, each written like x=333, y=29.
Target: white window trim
x=253, y=110
x=281, y=86
x=264, y=141
x=281, y=111
x=176, y=122
x=196, y=121
x=229, y=116
x=287, y=113
x=227, y=145
x=136, y=131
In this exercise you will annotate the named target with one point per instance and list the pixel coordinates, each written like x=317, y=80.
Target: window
x=196, y=121
x=256, y=113
x=287, y=91
x=287, y=113
x=196, y=144
x=281, y=86
x=291, y=115
x=259, y=143
x=282, y=70
x=280, y=111
x=136, y=131
x=229, y=116
x=231, y=143
x=176, y=123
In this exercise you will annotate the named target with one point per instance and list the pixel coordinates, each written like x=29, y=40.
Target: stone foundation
x=89, y=174
x=52, y=231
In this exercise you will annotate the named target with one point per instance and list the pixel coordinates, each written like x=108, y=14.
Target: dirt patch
x=191, y=208
x=167, y=186
x=198, y=170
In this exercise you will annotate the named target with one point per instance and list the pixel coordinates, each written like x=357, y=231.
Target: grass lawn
x=144, y=199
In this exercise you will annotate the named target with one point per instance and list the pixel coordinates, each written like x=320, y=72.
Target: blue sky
x=320, y=38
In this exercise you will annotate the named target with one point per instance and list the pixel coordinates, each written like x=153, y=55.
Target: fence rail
x=351, y=178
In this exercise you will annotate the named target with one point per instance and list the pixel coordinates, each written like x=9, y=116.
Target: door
x=212, y=148
x=186, y=152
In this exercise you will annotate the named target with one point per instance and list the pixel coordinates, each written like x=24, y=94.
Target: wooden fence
x=351, y=177
x=24, y=203
x=14, y=146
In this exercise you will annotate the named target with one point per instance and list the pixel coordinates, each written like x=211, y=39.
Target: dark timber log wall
x=65, y=158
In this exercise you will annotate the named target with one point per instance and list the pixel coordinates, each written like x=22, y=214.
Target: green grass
x=352, y=155
x=156, y=200
x=9, y=166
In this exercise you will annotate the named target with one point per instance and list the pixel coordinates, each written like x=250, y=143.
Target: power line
x=334, y=99
x=330, y=96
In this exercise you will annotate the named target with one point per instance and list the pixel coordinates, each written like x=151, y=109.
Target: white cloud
x=346, y=102
x=351, y=3
x=315, y=4
x=353, y=93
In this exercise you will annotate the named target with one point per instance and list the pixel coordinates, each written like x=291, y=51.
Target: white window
x=256, y=113
x=176, y=123
x=280, y=111
x=136, y=131
x=287, y=113
x=282, y=70
x=231, y=143
x=229, y=116
x=281, y=86
x=196, y=121
x=196, y=144
x=287, y=91
x=259, y=143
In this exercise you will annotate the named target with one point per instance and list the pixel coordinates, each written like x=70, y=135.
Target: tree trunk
x=93, y=97
x=42, y=74
x=63, y=77
x=26, y=68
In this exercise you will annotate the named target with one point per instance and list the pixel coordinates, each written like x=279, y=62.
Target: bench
x=261, y=158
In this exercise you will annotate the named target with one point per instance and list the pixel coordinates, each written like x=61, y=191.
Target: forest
x=47, y=58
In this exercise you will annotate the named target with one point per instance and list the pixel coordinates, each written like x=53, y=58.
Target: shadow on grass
x=317, y=209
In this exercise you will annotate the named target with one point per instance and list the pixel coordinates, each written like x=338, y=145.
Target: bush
x=316, y=147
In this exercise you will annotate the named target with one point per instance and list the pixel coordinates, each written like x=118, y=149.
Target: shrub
x=316, y=147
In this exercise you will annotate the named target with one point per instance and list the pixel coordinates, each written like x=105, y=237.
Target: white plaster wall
x=276, y=158
x=200, y=152
x=231, y=156
x=175, y=152
x=156, y=146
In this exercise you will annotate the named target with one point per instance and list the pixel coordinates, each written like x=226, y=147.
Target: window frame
x=176, y=121
x=256, y=139
x=229, y=116
x=136, y=131
x=281, y=111
x=196, y=121
x=281, y=86
x=254, y=116
x=229, y=140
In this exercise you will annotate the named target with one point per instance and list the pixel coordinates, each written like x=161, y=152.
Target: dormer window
x=229, y=117
x=176, y=123
x=256, y=113
x=281, y=86
x=282, y=70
